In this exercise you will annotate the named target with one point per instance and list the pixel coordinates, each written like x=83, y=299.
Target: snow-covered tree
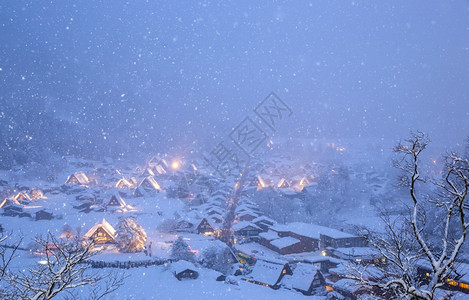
x=63, y=271
x=218, y=257
x=182, y=251
x=131, y=237
x=405, y=246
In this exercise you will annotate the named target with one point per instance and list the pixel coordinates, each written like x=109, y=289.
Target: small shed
x=44, y=215
x=183, y=269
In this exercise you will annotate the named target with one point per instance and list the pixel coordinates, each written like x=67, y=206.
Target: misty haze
x=234, y=150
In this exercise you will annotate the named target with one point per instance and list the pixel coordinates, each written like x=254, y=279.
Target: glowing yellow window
x=464, y=285
x=451, y=282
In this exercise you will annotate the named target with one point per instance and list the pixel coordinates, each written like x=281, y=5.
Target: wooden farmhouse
x=245, y=230
x=268, y=273
x=208, y=228
x=101, y=233
x=116, y=200
x=338, y=239
x=283, y=183
x=10, y=202
x=306, y=279
x=22, y=197
x=247, y=216
x=149, y=184
x=310, y=237
x=123, y=184
x=78, y=178
x=263, y=222
x=148, y=172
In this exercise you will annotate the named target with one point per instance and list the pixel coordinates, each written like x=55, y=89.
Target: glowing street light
x=175, y=165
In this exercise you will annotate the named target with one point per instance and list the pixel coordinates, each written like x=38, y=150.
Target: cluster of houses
x=23, y=204
x=304, y=257
x=279, y=173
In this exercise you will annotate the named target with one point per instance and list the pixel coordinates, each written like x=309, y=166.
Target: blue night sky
x=186, y=72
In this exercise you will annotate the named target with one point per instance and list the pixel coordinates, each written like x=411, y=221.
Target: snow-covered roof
x=123, y=183
x=263, y=219
x=310, y=230
x=80, y=176
x=284, y=242
x=7, y=202
x=356, y=252
x=182, y=265
x=247, y=213
x=266, y=272
x=150, y=182
x=346, y=284
x=269, y=235
x=303, y=276
x=116, y=200
x=104, y=225
x=244, y=224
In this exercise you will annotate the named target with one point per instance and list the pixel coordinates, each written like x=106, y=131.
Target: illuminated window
x=329, y=288
x=284, y=271
x=451, y=282
x=464, y=285
x=427, y=274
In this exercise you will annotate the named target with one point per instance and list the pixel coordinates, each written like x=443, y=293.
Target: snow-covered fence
x=128, y=264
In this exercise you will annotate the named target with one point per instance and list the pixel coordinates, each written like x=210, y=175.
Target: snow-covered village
x=235, y=150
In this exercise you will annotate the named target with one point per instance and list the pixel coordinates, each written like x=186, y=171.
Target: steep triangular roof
x=150, y=183
x=116, y=200
x=103, y=225
x=22, y=196
x=78, y=177
x=8, y=202
x=148, y=172
x=268, y=272
x=283, y=183
x=123, y=183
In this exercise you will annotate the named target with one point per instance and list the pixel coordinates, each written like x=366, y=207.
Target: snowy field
x=158, y=283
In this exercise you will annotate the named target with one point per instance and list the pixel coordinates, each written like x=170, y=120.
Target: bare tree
x=63, y=270
x=405, y=246
x=7, y=253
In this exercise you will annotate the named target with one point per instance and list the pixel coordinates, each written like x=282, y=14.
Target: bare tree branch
x=404, y=245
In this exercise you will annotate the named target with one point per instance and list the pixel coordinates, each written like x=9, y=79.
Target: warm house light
x=175, y=165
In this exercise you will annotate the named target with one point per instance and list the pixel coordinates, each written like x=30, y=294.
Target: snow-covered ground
x=157, y=283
